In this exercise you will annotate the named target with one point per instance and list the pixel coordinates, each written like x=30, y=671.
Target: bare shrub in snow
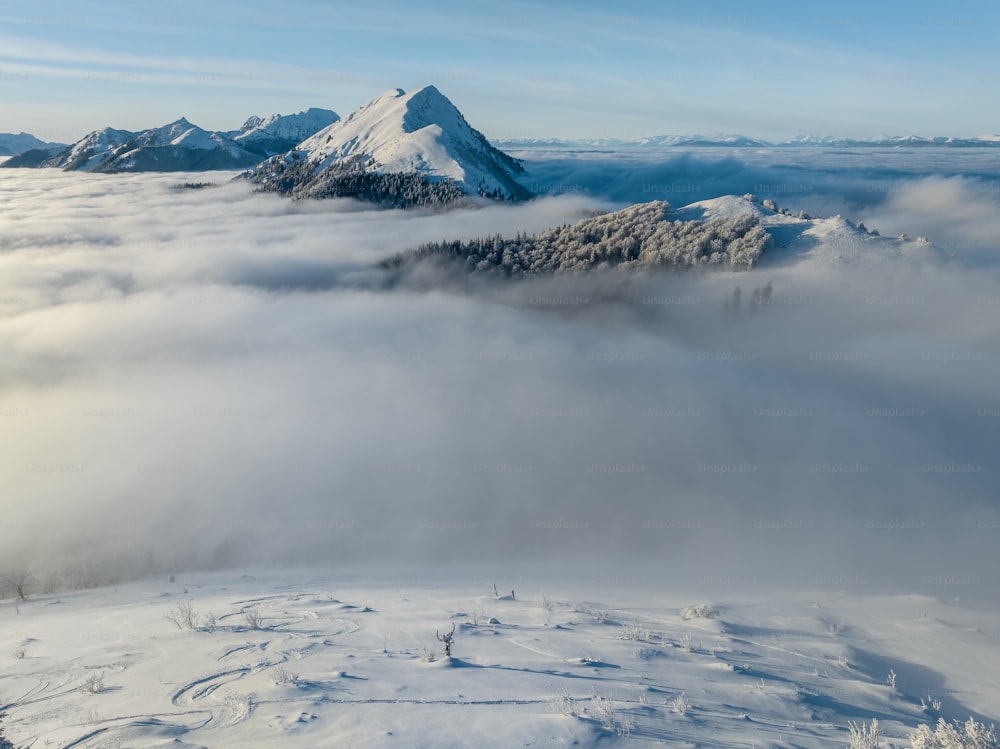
x=93, y=684
x=930, y=704
x=604, y=711
x=864, y=736
x=427, y=655
x=971, y=735
x=563, y=704
x=281, y=675
x=700, y=611
x=635, y=632
x=679, y=704
x=182, y=615
x=253, y=617
x=687, y=642
x=447, y=639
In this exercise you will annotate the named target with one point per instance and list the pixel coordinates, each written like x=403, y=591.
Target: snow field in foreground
x=315, y=660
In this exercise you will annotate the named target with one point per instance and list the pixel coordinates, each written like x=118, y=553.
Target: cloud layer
x=211, y=377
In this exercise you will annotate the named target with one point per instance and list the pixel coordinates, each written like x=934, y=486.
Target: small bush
x=253, y=617
x=971, y=735
x=281, y=675
x=93, y=684
x=687, y=642
x=563, y=704
x=680, y=704
x=701, y=611
x=448, y=640
x=182, y=615
x=864, y=736
x=635, y=632
x=604, y=711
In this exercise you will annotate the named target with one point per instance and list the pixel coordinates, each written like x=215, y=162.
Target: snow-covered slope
x=799, y=237
x=398, y=133
x=309, y=659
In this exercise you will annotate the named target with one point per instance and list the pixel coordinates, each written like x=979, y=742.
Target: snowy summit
x=421, y=133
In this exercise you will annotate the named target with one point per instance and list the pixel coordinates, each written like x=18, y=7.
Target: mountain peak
x=417, y=133
x=390, y=95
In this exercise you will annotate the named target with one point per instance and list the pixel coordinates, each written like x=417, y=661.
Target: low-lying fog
x=193, y=378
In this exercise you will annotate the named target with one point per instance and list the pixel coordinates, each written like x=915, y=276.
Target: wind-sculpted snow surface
x=339, y=660
x=641, y=236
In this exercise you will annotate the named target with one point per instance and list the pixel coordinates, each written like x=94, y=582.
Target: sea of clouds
x=196, y=378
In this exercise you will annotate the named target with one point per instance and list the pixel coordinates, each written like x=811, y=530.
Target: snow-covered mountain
x=88, y=152
x=180, y=146
x=177, y=146
x=278, y=133
x=420, y=134
x=12, y=144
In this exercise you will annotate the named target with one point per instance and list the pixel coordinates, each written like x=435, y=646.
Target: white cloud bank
x=210, y=377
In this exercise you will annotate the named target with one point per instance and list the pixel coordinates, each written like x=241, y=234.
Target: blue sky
x=516, y=69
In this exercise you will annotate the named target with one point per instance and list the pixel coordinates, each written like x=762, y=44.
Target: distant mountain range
x=742, y=141
x=398, y=150
x=178, y=146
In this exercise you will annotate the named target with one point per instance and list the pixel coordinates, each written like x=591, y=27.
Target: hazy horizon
x=636, y=71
